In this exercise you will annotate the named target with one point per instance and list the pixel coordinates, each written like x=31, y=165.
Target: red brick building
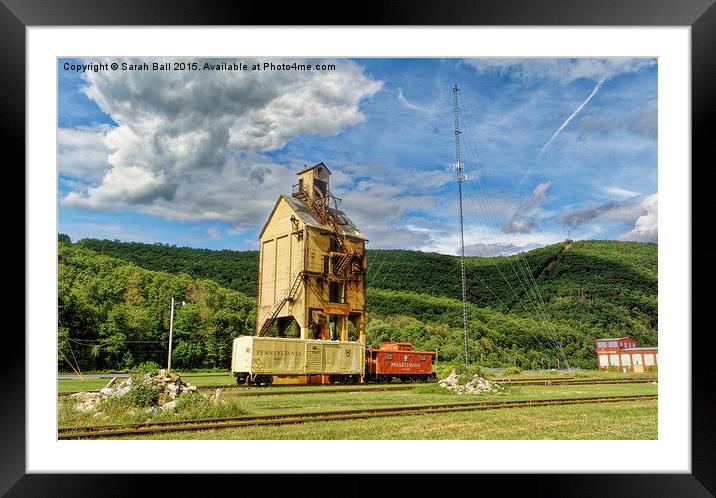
x=622, y=354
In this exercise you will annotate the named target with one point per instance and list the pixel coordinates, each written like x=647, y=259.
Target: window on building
x=325, y=265
x=389, y=356
x=602, y=344
x=320, y=187
x=335, y=292
x=612, y=344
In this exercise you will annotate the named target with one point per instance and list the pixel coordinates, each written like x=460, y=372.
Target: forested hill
x=587, y=270
x=582, y=290
x=113, y=314
x=236, y=270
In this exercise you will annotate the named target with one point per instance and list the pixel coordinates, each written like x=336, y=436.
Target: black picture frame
x=700, y=15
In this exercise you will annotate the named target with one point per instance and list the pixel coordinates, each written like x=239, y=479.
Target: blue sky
x=551, y=147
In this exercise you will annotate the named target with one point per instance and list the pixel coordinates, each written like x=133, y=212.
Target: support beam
x=343, y=322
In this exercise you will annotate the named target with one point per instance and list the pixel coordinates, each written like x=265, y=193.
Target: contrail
x=576, y=111
x=406, y=102
x=524, y=177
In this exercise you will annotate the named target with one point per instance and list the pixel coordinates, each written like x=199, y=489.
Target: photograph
x=364, y=248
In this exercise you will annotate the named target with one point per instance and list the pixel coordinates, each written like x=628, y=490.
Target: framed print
x=424, y=241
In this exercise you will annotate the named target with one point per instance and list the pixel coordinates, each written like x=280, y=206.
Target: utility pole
x=171, y=333
x=460, y=177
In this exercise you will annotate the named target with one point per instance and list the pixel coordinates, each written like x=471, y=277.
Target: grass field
x=628, y=420
x=565, y=422
x=427, y=394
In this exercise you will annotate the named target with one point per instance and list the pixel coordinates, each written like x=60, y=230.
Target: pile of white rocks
x=476, y=385
x=168, y=385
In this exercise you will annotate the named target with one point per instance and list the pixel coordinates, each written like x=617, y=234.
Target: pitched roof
x=304, y=212
x=314, y=166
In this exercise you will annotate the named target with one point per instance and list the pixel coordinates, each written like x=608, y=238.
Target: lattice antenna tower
x=460, y=177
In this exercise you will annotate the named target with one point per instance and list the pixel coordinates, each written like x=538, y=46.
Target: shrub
x=142, y=394
x=146, y=367
x=513, y=370
x=189, y=400
x=465, y=372
x=471, y=370
x=442, y=370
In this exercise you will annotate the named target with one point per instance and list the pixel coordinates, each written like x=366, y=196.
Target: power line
x=537, y=301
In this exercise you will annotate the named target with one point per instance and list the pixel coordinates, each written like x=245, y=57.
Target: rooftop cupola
x=313, y=183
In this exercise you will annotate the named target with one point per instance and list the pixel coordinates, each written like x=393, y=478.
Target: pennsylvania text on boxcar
x=267, y=352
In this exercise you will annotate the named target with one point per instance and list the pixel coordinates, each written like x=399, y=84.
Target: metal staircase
x=326, y=217
x=288, y=295
x=342, y=263
x=321, y=213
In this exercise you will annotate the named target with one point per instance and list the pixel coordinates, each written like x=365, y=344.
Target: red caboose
x=397, y=359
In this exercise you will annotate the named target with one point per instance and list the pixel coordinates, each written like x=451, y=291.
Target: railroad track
x=573, y=382
x=267, y=391
x=104, y=431
x=320, y=391
x=498, y=379
x=259, y=391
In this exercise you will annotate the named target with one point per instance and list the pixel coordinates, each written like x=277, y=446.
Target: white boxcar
x=276, y=356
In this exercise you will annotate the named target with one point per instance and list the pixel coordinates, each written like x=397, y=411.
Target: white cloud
x=123, y=185
x=524, y=219
x=642, y=122
x=82, y=153
x=562, y=70
x=213, y=233
x=405, y=179
x=639, y=211
x=386, y=217
x=488, y=250
x=482, y=240
x=621, y=192
x=188, y=144
x=78, y=230
x=646, y=226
